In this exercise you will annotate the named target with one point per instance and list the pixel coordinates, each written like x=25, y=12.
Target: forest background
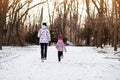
x=82, y=22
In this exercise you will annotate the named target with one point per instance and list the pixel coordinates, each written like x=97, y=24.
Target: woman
x=44, y=38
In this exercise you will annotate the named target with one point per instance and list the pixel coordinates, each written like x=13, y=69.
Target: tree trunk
x=64, y=19
x=1, y=27
x=3, y=11
x=116, y=25
x=0, y=39
x=115, y=40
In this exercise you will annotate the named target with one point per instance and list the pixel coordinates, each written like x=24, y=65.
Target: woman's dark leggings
x=43, y=50
x=60, y=53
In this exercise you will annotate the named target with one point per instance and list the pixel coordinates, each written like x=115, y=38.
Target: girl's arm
x=64, y=47
x=57, y=45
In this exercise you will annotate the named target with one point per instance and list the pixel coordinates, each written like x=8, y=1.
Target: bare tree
x=17, y=16
x=3, y=12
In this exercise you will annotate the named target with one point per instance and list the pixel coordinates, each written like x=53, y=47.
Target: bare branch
x=95, y=5
x=31, y=8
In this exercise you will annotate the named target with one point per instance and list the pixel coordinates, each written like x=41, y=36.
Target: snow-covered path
x=79, y=63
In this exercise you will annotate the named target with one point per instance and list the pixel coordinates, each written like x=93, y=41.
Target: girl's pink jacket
x=60, y=46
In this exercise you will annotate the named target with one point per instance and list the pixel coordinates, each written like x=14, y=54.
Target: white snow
x=79, y=63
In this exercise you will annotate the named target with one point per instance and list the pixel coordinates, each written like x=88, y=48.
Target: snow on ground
x=79, y=63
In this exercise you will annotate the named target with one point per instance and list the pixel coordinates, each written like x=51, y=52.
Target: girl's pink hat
x=60, y=38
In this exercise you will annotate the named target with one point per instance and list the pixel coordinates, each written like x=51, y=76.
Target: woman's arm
x=38, y=35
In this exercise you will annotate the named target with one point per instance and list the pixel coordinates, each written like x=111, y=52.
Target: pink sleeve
x=64, y=47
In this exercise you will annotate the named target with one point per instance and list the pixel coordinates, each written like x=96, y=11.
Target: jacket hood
x=59, y=41
x=44, y=27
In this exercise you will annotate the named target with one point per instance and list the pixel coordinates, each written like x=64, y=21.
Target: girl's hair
x=44, y=24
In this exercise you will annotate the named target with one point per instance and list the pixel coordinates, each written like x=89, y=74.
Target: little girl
x=60, y=47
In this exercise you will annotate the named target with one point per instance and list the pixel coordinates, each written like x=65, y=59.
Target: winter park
x=59, y=40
